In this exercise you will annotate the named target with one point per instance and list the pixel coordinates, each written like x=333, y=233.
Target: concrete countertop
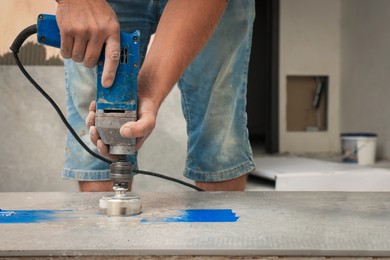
x=198, y=223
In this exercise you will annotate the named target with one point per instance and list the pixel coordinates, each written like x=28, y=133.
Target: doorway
x=263, y=78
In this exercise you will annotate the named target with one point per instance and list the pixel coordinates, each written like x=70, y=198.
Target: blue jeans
x=213, y=90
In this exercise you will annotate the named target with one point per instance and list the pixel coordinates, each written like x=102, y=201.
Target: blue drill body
x=115, y=105
x=122, y=95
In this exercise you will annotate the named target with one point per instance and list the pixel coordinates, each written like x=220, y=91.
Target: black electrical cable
x=15, y=47
x=168, y=178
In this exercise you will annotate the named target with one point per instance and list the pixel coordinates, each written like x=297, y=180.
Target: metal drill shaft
x=121, y=173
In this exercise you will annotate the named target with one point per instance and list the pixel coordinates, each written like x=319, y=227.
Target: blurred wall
x=15, y=15
x=365, y=90
x=310, y=46
x=347, y=40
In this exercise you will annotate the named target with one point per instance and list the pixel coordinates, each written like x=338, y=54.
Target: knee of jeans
x=225, y=55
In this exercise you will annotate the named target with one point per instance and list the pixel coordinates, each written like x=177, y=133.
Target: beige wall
x=365, y=91
x=349, y=41
x=310, y=45
x=15, y=15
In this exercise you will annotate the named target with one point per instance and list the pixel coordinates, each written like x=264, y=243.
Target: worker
x=202, y=45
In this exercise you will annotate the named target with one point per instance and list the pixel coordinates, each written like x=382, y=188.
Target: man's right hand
x=85, y=26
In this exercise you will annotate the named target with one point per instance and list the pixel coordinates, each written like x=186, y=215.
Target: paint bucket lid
x=358, y=135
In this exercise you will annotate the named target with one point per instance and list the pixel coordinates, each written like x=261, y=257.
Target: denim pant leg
x=80, y=83
x=214, y=100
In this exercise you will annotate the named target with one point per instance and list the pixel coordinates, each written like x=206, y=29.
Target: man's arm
x=183, y=30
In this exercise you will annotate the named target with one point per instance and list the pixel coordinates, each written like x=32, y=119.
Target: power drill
x=115, y=105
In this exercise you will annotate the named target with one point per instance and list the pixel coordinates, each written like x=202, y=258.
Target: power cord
x=15, y=47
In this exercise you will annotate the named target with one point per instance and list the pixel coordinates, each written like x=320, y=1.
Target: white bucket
x=359, y=148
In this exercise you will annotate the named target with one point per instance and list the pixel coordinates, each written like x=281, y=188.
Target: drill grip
x=48, y=32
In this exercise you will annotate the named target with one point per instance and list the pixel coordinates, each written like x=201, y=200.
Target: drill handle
x=122, y=95
x=48, y=32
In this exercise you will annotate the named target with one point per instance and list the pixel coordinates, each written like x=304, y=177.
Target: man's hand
x=85, y=26
x=141, y=129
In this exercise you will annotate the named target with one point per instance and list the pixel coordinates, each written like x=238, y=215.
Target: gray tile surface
x=269, y=223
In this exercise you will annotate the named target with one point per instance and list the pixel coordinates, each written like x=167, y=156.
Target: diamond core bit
x=120, y=204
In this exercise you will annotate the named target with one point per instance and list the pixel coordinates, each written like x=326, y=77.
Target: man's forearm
x=183, y=30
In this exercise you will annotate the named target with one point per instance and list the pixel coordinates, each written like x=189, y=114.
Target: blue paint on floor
x=27, y=216
x=189, y=215
x=200, y=215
